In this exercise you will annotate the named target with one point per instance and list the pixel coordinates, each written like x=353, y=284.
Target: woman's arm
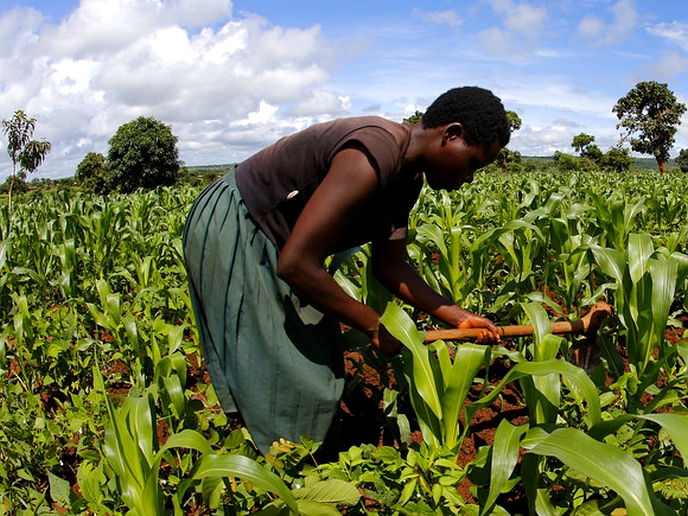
x=350, y=184
x=391, y=269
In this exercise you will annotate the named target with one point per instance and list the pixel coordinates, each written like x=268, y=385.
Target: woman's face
x=453, y=162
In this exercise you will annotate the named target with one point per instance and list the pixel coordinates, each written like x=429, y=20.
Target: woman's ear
x=452, y=131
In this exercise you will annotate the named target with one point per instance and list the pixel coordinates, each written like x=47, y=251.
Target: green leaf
x=505, y=452
x=468, y=360
x=313, y=508
x=213, y=465
x=60, y=490
x=676, y=425
x=640, y=248
x=188, y=438
x=611, y=261
x=601, y=462
x=334, y=491
x=402, y=327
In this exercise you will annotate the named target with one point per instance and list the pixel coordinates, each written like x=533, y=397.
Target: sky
x=230, y=78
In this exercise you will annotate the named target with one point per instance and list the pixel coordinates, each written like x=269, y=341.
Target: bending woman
x=255, y=242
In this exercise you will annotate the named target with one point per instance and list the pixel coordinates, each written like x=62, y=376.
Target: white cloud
x=676, y=32
x=448, y=17
x=179, y=61
x=524, y=26
x=594, y=29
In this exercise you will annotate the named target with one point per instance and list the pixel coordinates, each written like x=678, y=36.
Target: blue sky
x=232, y=77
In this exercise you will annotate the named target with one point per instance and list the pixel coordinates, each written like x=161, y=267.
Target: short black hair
x=478, y=110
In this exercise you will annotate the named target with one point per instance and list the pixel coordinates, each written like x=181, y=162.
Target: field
x=105, y=407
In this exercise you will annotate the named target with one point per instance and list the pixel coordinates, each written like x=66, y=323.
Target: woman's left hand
x=491, y=333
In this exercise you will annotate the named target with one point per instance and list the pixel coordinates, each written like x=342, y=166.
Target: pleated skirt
x=277, y=362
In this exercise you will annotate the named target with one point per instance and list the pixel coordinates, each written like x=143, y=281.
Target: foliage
x=104, y=407
x=414, y=118
x=617, y=159
x=143, y=154
x=651, y=111
x=682, y=160
x=93, y=175
x=507, y=156
x=581, y=142
x=26, y=154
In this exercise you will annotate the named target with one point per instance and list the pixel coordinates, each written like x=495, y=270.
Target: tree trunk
x=9, y=192
x=661, y=165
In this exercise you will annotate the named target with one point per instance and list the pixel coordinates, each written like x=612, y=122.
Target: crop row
x=104, y=406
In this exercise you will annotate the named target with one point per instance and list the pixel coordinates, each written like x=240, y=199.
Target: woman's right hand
x=385, y=342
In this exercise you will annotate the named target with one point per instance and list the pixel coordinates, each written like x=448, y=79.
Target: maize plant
x=104, y=407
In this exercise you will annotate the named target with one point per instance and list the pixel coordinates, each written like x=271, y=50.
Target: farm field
x=105, y=407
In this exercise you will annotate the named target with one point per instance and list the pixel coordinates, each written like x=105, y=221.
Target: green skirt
x=277, y=362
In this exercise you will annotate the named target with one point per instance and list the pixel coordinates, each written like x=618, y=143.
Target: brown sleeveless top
x=277, y=182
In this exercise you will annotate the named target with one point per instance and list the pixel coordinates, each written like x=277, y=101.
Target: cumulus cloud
x=676, y=32
x=191, y=65
x=597, y=31
x=524, y=24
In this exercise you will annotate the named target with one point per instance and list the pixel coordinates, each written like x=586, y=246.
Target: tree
x=143, y=154
x=414, y=118
x=26, y=154
x=505, y=155
x=93, y=175
x=682, y=160
x=651, y=111
x=581, y=141
x=617, y=159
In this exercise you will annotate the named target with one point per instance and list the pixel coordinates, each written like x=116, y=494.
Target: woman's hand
x=491, y=333
x=385, y=342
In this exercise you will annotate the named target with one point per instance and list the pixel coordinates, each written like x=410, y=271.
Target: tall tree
x=26, y=154
x=143, y=154
x=651, y=111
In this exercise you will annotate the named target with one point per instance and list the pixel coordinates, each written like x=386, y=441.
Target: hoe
x=583, y=353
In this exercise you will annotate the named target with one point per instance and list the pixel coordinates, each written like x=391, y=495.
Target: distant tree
x=682, y=160
x=617, y=159
x=93, y=175
x=593, y=153
x=566, y=162
x=26, y=154
x=143, y=154
x=506, y=155
x=651, y=111
x=581, y=141
x=414, y=118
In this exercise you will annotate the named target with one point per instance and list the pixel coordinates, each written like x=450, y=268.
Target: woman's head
x=479, y=111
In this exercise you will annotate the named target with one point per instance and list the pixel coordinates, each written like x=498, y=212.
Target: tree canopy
x=143, y=154
x=651, y=112
x=682, y=160
x=92, y=174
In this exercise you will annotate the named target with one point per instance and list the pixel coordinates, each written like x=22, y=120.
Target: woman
x=268, y=311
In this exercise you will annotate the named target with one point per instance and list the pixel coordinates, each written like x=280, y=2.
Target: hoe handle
x=587, y=325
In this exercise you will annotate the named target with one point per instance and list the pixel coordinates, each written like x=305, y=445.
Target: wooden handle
x=588, y=324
